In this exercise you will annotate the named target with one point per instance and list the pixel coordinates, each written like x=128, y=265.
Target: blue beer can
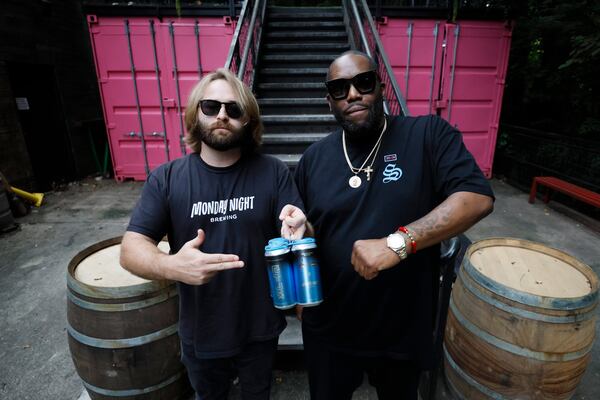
x=281, y=276
x=306, y=272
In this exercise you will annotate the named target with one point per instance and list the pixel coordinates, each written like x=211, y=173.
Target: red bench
x=567, y=188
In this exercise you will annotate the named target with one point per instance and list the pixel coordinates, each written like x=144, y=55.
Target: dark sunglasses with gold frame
x=365, y=83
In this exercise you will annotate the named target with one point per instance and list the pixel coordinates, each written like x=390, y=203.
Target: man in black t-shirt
x=381, y=195
x=218, y=206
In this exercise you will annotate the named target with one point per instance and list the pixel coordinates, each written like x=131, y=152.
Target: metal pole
x=236, y=35
x=160, y=96
x=137, y=98
x=248, y=42
x=197, y=34
x=432, y=80
x=176, y=73
x=410, y=32
x=456, y=33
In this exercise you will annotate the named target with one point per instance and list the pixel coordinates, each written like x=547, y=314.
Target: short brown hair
x=245, y=99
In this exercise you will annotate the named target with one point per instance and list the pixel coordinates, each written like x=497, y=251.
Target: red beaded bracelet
x=413, y=242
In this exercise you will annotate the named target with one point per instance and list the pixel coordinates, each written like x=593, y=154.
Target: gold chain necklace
x=355, y=180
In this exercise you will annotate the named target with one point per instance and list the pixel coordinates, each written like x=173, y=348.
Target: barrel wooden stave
x=501, y=345
x=508, y=374
x=123, y=324
x=533, y=334
x=119, y=369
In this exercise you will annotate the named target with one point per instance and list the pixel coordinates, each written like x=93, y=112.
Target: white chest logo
x=391, y=173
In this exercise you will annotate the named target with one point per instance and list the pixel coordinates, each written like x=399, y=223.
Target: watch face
x=396, y=241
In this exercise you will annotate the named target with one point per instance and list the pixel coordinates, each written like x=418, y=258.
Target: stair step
x=293, y=71
x=339, y=47
x=309, y=34
x=291, y=85
x=286, y=138
x=295, y=119
x=291, y=160
x=323, y=25
x=289, y=75
x=298, y=13
x=300, y=57
x=296, y=106
x=291, y=337
x=293, y=101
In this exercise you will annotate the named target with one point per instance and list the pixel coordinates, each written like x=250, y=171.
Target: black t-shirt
x=420, y=163
x=238, y=208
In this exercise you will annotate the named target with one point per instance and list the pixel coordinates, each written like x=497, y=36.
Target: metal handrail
x=367, y=40
x=243, y=52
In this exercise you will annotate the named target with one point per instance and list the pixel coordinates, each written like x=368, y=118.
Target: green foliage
x=553, y=82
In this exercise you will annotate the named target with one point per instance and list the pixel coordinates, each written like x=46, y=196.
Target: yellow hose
x=35, y=198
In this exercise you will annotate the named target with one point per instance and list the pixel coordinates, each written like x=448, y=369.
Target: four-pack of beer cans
x=294, y=276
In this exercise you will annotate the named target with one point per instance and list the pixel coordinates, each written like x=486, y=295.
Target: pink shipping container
x=146, y=68
x=457, y=70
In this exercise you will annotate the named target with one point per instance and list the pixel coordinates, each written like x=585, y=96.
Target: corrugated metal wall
x=455, y=70
x=146, y=68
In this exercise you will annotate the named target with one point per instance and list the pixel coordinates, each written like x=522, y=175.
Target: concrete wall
x=54, y=34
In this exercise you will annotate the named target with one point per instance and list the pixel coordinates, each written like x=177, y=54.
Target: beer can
x=306, y=272
x=281, y=276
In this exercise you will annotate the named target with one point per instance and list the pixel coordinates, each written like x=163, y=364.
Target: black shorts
x=334, y=375
x=212, y=378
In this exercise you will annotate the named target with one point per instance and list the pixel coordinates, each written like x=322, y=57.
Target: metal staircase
x=299, y=43
x=283, y=54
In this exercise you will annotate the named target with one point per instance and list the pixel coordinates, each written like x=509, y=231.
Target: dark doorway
x=42, y=120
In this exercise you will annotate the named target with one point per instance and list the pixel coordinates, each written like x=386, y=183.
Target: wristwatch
x=397, y=244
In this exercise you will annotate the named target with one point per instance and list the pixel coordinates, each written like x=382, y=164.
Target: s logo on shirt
x=391, y=173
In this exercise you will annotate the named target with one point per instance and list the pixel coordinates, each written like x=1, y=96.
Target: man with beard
x=381, y=194
x=218, y=206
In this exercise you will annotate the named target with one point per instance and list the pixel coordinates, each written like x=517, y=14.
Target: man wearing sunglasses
x=219, y=206
x=381, y=194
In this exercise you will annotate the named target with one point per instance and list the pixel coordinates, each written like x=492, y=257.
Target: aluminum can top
x=279, y=241
x=303, y=244
x=272, y=250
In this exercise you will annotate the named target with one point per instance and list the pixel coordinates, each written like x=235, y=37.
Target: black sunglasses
x=365, y=83
x=212, y=108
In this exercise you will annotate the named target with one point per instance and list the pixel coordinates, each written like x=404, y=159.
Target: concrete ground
x=36, y=363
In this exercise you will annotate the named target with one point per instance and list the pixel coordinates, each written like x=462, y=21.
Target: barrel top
x=102, y=268
x=531, y=268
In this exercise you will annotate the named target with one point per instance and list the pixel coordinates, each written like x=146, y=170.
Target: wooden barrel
x=122, y=329
x=521, y=322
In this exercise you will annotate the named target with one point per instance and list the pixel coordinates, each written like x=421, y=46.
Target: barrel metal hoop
x=552, y=303
x=525, y=313
x=121, y=343
x=512, y=348
x=164, y=295
x=470, y=381
x=113, y=292
x=132, y=392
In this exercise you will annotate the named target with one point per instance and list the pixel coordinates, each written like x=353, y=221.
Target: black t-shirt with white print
x=420, y=163
x=238, y=208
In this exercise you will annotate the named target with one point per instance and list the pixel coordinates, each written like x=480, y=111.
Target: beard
x=206, y=134
x=366, y=130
